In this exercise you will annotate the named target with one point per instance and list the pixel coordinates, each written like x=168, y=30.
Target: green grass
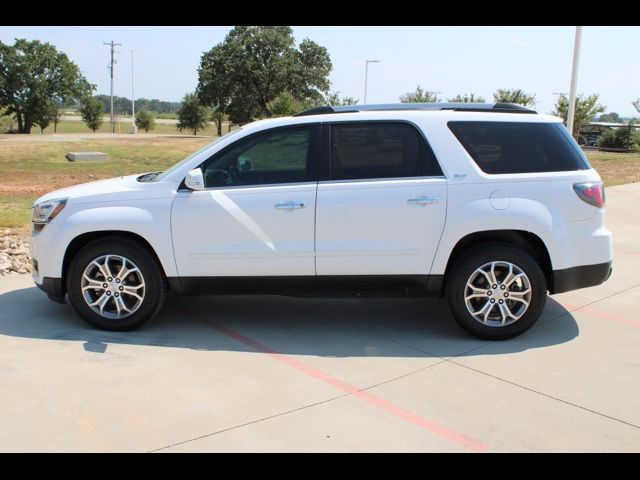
x=15, y=210
x=616, y=168
x=30, y=169
x=173, y=116
x=46, y=159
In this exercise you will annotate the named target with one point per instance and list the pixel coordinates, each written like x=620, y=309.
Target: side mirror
x=194, y=180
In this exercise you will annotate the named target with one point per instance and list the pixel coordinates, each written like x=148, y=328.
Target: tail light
x=592, y=193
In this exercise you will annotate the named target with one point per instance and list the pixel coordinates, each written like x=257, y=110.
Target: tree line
x=123, y=106
x=586, y=110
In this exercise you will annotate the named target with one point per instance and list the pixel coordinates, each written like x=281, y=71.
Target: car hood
x=93, y=191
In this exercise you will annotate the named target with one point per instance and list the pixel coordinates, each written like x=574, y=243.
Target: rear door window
x=367, y=150
x=519, y=147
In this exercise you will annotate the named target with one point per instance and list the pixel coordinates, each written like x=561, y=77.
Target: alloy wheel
x=498, y=293
x=113, y=286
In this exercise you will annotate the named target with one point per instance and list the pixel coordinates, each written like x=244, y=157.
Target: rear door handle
x=421, y=201
x=289, y=205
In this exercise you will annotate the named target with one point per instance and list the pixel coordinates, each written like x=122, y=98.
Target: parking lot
x=271, y=373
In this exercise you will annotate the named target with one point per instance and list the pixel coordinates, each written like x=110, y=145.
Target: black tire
x=154, y=290
x=475, y=257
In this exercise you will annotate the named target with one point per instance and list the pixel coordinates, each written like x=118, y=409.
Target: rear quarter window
x=519, y=147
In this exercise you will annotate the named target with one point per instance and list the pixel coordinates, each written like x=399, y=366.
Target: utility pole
x=366, y=76
x=574, y=79
x=133, y=129
x=113, y=48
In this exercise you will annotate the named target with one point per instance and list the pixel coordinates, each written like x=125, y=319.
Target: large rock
x=14, y=254
x=85, y=156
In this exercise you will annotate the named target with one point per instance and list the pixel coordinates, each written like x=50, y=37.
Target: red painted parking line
x=374, y=400
x=603, y=315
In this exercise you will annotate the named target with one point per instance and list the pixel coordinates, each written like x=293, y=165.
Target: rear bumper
x=53, y=288
x=583, y=276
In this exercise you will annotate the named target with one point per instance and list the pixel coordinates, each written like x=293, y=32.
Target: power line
x=110, y=67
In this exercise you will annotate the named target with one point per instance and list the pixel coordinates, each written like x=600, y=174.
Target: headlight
x=46, y=211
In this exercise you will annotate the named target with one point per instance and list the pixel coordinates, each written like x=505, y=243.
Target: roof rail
x=457, y=106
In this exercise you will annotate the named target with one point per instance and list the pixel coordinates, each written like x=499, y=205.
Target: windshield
x=173, y=168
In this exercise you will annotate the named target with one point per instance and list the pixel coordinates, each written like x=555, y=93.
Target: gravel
x=14, y=253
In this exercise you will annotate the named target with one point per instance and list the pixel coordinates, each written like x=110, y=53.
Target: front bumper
x=53, y=288
x=583, y=276
x=41, y=257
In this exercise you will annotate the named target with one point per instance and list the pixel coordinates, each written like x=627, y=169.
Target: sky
x=450, y=60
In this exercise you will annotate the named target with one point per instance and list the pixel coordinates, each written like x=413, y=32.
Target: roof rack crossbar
x=457, y=106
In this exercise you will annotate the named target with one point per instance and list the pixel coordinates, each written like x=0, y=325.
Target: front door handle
x=289, y=205
x=421, y=201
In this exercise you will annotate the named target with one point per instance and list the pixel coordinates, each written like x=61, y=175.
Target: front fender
x=151, y=221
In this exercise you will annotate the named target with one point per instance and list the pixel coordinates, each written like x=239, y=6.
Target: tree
x=218, y=116
x=91, y=112
x=620, y=138
x=145, y=120
x=309, y=76
x=419, y=96
x=6, y=122
x=47, y=113
x=586, y=110
x=334, y=99
x=636, y=104
x=517, y=96
x=56, y=117
x=610, y=117
x=467, y=98
x=193, y=115
x=284, y=105
x=254, y=65
x=42, y=122
x=34, y=73
x=215, y=87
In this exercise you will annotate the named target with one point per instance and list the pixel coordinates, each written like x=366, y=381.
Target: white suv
x=489, y=205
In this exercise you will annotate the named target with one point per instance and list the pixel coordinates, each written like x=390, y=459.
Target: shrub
x=192, y=115
x=284, y=105
x=6, y=123
x=145, y=120
x=620, y=138
x=91, y=111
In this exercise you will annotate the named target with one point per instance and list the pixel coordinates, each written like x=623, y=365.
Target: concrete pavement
x=270, y=373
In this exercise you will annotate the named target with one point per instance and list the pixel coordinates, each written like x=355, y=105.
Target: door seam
x=315, y=227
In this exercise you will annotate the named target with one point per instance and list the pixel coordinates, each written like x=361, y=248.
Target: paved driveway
x=269, y=373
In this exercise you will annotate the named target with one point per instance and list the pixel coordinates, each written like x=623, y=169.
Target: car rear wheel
x=115, y=284
x=496, y=291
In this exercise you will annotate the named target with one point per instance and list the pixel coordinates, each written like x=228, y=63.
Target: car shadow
x=349, y=327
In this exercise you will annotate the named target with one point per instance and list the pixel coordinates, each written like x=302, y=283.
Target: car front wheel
x=496, y=291
x=115, y=284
